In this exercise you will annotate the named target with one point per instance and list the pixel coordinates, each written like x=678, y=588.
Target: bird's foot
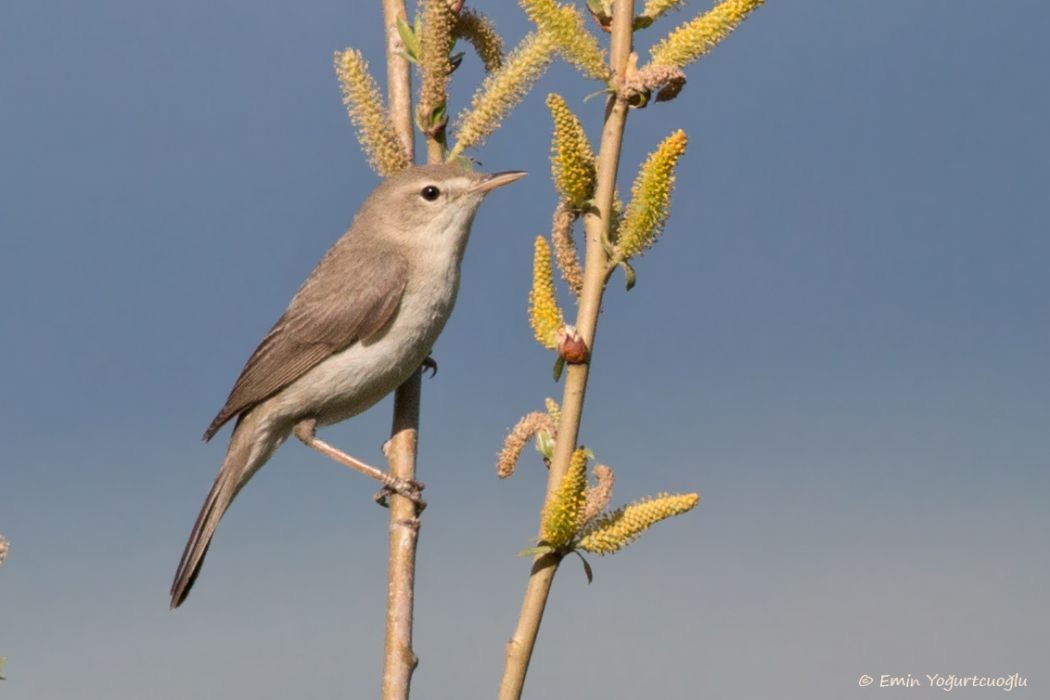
x=431, y=364
x=410, y=489
x=305, y=430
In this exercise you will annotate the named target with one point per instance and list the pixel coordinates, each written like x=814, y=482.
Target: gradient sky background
x=842, y=341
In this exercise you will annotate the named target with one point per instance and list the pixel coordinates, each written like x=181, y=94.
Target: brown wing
x=351, y=295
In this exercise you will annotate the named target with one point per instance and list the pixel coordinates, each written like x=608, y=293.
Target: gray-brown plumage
x=361, y=324
x=321, y=321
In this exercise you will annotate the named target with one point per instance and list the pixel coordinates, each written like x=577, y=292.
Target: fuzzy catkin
x=545, y=315
x=565, y=253
x=696, y=37
x=478, y=30
x=597, y=496
x=614, y=531
x=572, y=158
x=518, y=437
x=650, y=202
x=364, y=105
x=561, y=513
x=502, y=91
x=565, y=25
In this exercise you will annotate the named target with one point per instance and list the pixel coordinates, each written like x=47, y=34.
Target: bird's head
x=431, y=207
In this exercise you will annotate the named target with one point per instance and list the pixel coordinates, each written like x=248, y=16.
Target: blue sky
x=841, y=341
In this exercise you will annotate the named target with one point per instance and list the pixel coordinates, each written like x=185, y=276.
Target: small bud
x=667, y=81
x=545, y=444
x=601, y=11
x=571, y=346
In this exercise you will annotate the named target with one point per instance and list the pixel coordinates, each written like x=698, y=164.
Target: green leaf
x=559, y=365
x=409, y=38
x=628, y=273
x=533, y=551
x=439, y=115
x=605, y=91
x=587, y=571
x=545, y=444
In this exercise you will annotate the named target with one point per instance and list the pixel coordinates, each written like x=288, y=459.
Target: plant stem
x=596, y=224
x=399, y=661
x=398, y=76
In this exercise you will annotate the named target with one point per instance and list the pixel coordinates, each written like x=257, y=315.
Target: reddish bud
x=571, y=346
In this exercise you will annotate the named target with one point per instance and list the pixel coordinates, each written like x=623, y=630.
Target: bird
x=360, y=325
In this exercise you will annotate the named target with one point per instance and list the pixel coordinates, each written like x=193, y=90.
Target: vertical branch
x=596, y=225
x=398, y=75
x=399, y=661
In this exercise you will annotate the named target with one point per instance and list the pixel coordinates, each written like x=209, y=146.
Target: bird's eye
x=430, y=193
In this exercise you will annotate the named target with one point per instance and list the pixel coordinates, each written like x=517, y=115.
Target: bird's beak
x=498, y=180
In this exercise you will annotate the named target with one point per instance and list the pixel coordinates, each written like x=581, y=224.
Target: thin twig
x=399, y=660
x=398, y=76
x=596, y=223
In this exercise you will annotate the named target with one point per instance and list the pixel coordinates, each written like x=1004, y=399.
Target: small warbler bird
x=361, y=324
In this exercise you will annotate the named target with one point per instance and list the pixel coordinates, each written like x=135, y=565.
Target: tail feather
x=243, y=458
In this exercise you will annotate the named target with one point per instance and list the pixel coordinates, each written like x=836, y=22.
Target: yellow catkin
x=696, y=37
x=364, y=104
x=561, y=514
x=3, y=549
x=544, y=314
x=502, y=91
x=597, y=496
x=565, y=24
x=614, y=531
x=650, y=197
x=572, y=159
x=478, y=30
x=565, y=253
x=655, y=8
x=518, y=437
x=553, y=410
x=435, y=44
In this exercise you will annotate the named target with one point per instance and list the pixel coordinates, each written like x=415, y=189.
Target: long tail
x=249, y=449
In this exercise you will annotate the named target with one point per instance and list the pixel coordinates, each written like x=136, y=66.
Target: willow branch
x=596, y=225
x=398, y=75
x=399, y=661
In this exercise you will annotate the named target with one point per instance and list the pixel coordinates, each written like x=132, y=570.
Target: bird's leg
x=431, y=364
x=306, y=430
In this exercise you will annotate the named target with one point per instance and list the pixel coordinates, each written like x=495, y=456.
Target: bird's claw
x=431, y=364
x=410, y=489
